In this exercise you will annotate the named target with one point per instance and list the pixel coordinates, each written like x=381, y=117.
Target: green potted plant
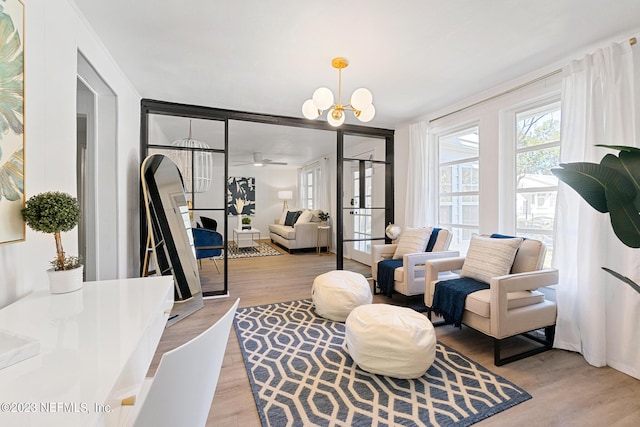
x=611, y=186
x=246, y=223
x=55, y=212
x=324, y=217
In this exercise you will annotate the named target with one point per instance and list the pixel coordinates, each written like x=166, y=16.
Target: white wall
x=487, y=115
x=269, y=180
x=54, y=33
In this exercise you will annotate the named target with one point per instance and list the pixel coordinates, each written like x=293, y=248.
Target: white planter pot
x=64, y=281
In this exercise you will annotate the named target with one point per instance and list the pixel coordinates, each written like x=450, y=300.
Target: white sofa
x=302, y=235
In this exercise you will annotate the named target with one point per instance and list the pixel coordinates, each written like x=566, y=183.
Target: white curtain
x=300, y=195
x=422, y=178
x=598, y=315
x=324, y=186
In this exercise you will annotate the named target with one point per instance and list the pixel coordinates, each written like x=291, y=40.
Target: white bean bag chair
x=338, y=292
x=389, y=340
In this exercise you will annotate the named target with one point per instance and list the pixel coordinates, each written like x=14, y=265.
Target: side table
x=326, y=230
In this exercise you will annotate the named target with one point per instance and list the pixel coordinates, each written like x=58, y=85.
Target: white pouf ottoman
x=389, y=340
x=338, y=292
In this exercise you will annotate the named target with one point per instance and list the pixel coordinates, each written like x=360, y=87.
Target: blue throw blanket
x=450, y=296
x=386, y=269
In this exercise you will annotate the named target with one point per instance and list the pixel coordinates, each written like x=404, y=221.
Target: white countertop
x=94, y=345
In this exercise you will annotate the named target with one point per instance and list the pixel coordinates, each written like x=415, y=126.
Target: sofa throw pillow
x=411, y=241
x=283, y=217
x=487, y=257
x=292, y=217
x=315, y=213
x=305, y=216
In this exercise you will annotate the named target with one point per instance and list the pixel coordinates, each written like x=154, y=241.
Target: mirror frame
x=173, y=257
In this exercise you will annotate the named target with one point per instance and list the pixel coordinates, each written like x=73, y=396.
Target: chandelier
x=195, y=165
x=360, y=102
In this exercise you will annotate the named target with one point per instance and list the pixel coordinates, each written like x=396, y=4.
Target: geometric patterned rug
x=302, y=375
x=262, y=249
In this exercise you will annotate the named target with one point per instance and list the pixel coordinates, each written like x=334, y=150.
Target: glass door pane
x=363, y=196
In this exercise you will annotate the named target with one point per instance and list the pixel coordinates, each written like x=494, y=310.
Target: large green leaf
x=591, y=180
x=620, y=147
x=628, y=164
x=625, y=218
x=625, y=279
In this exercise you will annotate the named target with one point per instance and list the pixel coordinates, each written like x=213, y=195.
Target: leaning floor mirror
x=170, y=241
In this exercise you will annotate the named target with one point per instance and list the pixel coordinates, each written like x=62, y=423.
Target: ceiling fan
x=259, y=160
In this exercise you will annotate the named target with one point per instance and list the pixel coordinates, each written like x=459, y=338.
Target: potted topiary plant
x=55, y=212
x=611, y=186
x=246, y=223
x=324, y=217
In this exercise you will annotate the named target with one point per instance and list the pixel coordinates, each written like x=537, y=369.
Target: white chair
x=511, y=305
x=408, y=279
x=181, y=392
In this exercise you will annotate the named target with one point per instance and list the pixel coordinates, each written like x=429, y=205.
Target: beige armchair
x=511, y=305
x=409, y=277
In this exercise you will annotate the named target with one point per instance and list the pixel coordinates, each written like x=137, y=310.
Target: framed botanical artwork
x=12, y=226
x=241, y=196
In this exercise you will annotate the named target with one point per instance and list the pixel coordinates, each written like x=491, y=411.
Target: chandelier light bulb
x=335, y=117
x=309, y=110
x=361, y=99
x=323, y=98
x=366, y=115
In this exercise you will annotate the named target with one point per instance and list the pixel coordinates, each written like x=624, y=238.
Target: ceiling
x=416, y=56
x=294, y=146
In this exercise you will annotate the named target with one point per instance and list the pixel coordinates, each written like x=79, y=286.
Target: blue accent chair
x=208, y=244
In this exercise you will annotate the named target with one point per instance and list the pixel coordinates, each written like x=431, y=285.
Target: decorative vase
x=63, y=281
x=239, y=226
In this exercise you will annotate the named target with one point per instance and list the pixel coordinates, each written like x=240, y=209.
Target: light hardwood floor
x=566, y=390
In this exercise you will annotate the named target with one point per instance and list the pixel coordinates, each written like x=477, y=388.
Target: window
x=310, y=181
x=537, y=151
x=309, y=190
x=459, y=185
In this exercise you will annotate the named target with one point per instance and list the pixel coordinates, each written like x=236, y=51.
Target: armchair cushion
x=487, y=257
x=530, y=256
x=480, y=302
x=450, y=296
x=412, y=240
